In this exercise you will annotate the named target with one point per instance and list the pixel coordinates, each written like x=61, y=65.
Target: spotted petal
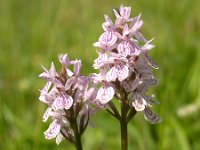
x=63, y=101
x=77, y=66
x=108, y=24
x=125, y=30
x=46, y=88
x=46, y=114
x=44, y=95
x=139, y=102
x=100, y=61
x=125, y=12
x=64, y=60
x=127, y=48
x=90, y=94
x=151, y=116
x=59, y=138
x=108, y=39
x=105, y=94
x=53, y=130
x=112, y=74
x=124, y=48
x=70, y=82
x=122, y=71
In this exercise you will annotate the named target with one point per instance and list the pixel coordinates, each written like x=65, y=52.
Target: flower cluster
x=124, y=64
x=125, y=72
x=67, y=95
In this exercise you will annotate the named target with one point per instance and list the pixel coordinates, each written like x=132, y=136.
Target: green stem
x=124, y=137
x=123, y=126
x=77, y=138
x=74, y=126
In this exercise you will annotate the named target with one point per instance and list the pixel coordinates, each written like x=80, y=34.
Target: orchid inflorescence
x=125, y=75
x=68, y=96
x=124, y=65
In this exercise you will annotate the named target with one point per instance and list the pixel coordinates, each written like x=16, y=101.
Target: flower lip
x=53, y=130
x=105, y=93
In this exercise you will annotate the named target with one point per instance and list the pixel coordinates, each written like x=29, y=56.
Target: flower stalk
x=77, y=135
x=123, y=126
x=78, y=142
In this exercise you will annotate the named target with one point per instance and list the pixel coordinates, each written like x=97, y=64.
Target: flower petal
x=46, y=114
x=122, y=71
x=64, y=60
x=131, y=85
x=53, y=130
x=69, y=83
x=139, y=36
x=116, y=13
x=150, y=61
x=124, y=48
x=99, y=44
x=128, y=48
x=77, y=66
x=45, y=69
x=151, y=116
x=82, y=83
x=125, y=12
x=91, y=94
x=100, y=61
x=139, y=102
x=59, y=138
x=108, y=38
x=58, y=83
x=44, y=95
x=111, y=74
x=45, y=76
x=136, y=24
x=147, y=47
x=63, y=101
x=69, y=72
x=46, y=98
x=125, y=30
x=52, y=70
x=105, y=94
x=108, y=24
x=46, y=88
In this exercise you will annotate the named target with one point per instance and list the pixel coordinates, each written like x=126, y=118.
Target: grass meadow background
x=34, y=32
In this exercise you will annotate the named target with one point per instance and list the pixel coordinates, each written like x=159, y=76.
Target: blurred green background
x=34, y=32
